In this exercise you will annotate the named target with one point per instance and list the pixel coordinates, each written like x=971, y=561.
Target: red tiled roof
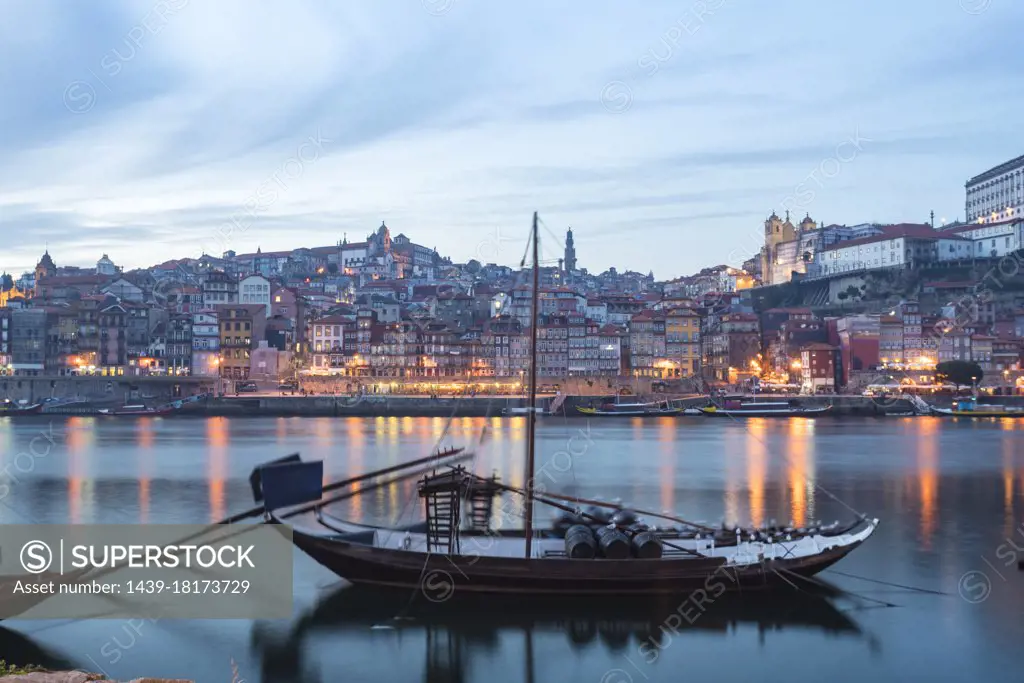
x=791, y=311
x=974, y=226
x=58, y=280
x=912, y=230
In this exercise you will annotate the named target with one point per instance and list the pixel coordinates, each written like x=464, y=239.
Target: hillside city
x=817, y=308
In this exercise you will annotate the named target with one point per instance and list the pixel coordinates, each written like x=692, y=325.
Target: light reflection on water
x=949, y=493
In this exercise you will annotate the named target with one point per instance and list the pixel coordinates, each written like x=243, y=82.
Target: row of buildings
x=381, y=308
x=390, y=308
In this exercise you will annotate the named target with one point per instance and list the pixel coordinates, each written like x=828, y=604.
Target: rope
x=888, y=583
x=826, y=586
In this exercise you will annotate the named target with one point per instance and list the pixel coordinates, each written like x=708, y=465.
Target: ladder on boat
x=443, y=521
x=442, y=497
x=480, y=499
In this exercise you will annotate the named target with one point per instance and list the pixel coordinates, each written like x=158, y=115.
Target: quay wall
x=103, y=391
x=95, y=393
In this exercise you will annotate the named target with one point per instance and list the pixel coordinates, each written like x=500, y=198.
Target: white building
x=105, y=266
x=500, y=303
x=996, y=194
x=327, y=343
x=205, y=344
x=123, y=289
x=899, y=246
x=992, y=239
x=255, y=289
x=219, y=288
x=597, y=311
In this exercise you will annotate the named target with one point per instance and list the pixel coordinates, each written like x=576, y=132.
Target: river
x=950, y=495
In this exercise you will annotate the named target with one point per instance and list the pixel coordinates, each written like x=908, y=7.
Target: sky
x=662, y=132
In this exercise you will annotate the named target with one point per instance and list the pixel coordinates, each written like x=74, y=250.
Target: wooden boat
x=631, y=410
x=586, y=553
x=970, y=408
x=137, y=411
x=733, y=408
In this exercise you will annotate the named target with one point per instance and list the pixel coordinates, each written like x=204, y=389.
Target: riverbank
x=468, y=406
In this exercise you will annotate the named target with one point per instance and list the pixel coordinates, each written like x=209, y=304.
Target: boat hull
x=439, y=575
x=594, y=412
x=976, y=414
x=34, y=409
x=137, y=413
x=805, y=412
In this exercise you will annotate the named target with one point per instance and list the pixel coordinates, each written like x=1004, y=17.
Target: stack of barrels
x=612, y=536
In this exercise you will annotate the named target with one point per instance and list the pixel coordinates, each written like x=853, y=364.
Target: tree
x=332, y=268
x=959, y=372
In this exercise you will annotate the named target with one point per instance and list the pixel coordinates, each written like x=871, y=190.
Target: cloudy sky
x=663, y=132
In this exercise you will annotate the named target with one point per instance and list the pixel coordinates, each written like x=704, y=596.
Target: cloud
x=447, y=125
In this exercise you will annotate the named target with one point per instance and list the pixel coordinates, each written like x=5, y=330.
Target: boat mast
x=531, y=420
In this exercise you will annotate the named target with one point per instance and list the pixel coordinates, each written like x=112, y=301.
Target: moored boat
x=577, y=561
x=734, y=408
x=969, y=407
x=137, y=411
x=630, y=409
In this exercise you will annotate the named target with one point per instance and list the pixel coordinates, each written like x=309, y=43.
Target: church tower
x=570, y=252
x=45, y=267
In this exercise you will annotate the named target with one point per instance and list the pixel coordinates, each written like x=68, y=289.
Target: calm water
x=950, y=496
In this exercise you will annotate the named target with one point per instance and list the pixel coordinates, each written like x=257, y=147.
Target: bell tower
x=570, y=252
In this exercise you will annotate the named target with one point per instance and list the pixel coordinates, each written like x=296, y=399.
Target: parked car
x=288, y=386
x=246, y=388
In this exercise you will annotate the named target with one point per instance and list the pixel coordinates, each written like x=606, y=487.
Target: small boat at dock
x=654, y=409
x=9, y=407
x=970, y=408
x=740, y=408
x=137, y=411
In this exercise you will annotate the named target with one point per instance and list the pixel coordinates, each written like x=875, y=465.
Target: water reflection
x=218, y=434
x=756, y=462
x=461, y=639
x=79, y=435
x=927, y=476
x=947, y=492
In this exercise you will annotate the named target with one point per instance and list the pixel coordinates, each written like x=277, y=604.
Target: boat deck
x=800, y=543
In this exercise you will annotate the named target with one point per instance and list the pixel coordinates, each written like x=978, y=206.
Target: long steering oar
x=441, y=455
